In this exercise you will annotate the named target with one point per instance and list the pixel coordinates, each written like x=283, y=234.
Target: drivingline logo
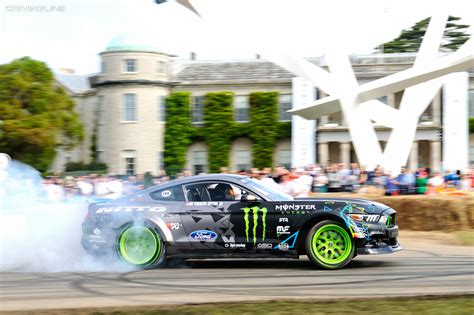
x=255, y=211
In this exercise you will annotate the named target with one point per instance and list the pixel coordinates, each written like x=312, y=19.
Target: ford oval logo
x=203, y=235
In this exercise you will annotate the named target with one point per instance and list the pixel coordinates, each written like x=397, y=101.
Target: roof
x=190, y=179
x=76, y=83
x=132, y=42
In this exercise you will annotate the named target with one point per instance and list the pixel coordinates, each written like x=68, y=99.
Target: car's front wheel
x=329, y=245
x=140, y=245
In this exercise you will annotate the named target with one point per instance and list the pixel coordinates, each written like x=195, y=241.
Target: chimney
x=192, y=55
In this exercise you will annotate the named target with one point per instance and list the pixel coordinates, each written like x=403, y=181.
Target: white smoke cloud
x=40, y=235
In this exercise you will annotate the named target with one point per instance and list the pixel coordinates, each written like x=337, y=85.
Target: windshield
x=272, y=193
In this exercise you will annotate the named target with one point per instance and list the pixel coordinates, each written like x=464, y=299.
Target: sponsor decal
x=295, y=207
x=264, y=246
x=234, y=245
x=288, y=243
x=97, y=231
x=173, y=225
x=203, y=235
x=129, y=209
x=166, y=193
x=254, y=212
x=205, y=203
x=281, y=230
x=283, y=220
x=284, y=247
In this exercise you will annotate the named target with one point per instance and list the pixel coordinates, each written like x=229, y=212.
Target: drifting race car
x=232, y=216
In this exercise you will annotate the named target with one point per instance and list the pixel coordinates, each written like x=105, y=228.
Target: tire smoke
x=41, y=235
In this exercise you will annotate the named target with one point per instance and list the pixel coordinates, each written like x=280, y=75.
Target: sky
x=231, y=29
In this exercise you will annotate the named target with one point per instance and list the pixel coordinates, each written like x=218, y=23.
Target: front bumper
x=381, y=240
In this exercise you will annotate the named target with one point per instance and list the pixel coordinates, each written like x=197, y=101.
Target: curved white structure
x=357, y=102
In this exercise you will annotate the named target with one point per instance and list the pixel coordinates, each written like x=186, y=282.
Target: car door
x=206, y=218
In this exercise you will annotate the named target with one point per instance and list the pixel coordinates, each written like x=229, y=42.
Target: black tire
x=140, y=245
x=329, y=245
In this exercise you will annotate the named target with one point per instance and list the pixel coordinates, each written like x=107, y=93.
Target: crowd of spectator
x=298, y=182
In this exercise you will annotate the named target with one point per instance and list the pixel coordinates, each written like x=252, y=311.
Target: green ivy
x=220, y=128
x=263, y=120
x=218, y=121
x=471, y=125
x=177, y=131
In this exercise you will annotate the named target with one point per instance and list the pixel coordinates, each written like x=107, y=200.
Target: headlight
x=369, y=218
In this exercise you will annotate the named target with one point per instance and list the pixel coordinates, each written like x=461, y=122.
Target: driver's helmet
x=226, y=191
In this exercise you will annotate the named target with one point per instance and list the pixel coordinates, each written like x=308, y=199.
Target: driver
x=224, y=192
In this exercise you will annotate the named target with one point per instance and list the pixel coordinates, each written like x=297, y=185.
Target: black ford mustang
x=214, y=216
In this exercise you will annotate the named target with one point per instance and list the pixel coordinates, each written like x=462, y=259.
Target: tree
x=36, y=115
x=410, y=39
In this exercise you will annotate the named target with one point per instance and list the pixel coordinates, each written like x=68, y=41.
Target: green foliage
x=471, y=125
x=177, y=131
x=81, y=166
x=218, y=121
x=410, y=39
x=219, y=129
x=36, y=116
x=263, y=119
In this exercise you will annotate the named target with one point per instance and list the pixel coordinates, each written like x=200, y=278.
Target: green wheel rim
x=331, y=244
x=139, y=245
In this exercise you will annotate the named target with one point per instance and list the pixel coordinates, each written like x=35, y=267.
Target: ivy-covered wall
x=220, y=129
x=177, y=131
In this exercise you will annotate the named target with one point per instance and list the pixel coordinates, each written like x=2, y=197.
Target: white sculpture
x=358, y=102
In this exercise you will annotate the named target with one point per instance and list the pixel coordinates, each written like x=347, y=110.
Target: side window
x=174, y=193
x=226, y=192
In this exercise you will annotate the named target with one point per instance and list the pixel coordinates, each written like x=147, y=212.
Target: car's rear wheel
x=329, y=245
x=140, y=245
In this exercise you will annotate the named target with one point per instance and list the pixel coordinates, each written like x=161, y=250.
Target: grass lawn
x=461, y=304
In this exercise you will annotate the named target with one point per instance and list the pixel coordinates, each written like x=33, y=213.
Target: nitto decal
x=255, y=211
x=203, y=235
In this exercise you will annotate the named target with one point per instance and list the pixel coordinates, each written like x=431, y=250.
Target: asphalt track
x=423, y=268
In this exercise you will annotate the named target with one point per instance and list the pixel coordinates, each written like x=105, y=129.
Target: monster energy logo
x=255, y=211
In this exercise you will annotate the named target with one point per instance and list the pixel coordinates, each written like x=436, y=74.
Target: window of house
x=129, y=160
x=129, y=112
x=284, y=106
x=284, y=158
x=160, y=66
x=241, y=108
x=101, y=110
x=199, y=161
x=130, y=65
x=244, y=159
x=197, y=109
x=161, y=108
x=160, y=157
x=103, y=67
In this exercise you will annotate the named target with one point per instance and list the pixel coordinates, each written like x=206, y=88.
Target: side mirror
x=248, y=198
